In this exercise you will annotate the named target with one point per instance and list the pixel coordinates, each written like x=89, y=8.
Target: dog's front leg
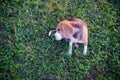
x=70, y=47
x=85, y=50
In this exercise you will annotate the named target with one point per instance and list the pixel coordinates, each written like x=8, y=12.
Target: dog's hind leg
x=70, y=48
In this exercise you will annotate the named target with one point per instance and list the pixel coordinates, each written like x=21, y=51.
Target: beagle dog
x=74, y=31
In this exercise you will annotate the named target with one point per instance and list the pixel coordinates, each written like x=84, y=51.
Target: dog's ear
x=67, y=30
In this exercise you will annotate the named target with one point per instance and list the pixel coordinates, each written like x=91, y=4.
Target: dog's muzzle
x=58, y=36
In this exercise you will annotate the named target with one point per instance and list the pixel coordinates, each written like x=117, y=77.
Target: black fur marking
x=77, y=34
x=72, y=19
x=76, y=25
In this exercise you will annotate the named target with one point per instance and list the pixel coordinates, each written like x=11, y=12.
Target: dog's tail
x=51, y=32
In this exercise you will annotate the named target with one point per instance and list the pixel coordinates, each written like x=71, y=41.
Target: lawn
x=27, y=53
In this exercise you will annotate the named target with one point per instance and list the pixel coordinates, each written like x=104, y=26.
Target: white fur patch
x=58, y=36
x=74, y=40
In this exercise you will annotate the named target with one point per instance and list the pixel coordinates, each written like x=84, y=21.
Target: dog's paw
x=69, y=52
x=84, y=52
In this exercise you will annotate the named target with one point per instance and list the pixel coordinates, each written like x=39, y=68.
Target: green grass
x=27, y=53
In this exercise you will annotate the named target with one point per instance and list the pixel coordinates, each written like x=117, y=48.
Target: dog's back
x=74, y=19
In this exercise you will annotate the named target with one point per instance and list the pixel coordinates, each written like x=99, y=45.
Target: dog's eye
x=58, y=29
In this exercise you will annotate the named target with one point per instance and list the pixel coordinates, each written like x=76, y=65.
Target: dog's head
x=64, y=30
